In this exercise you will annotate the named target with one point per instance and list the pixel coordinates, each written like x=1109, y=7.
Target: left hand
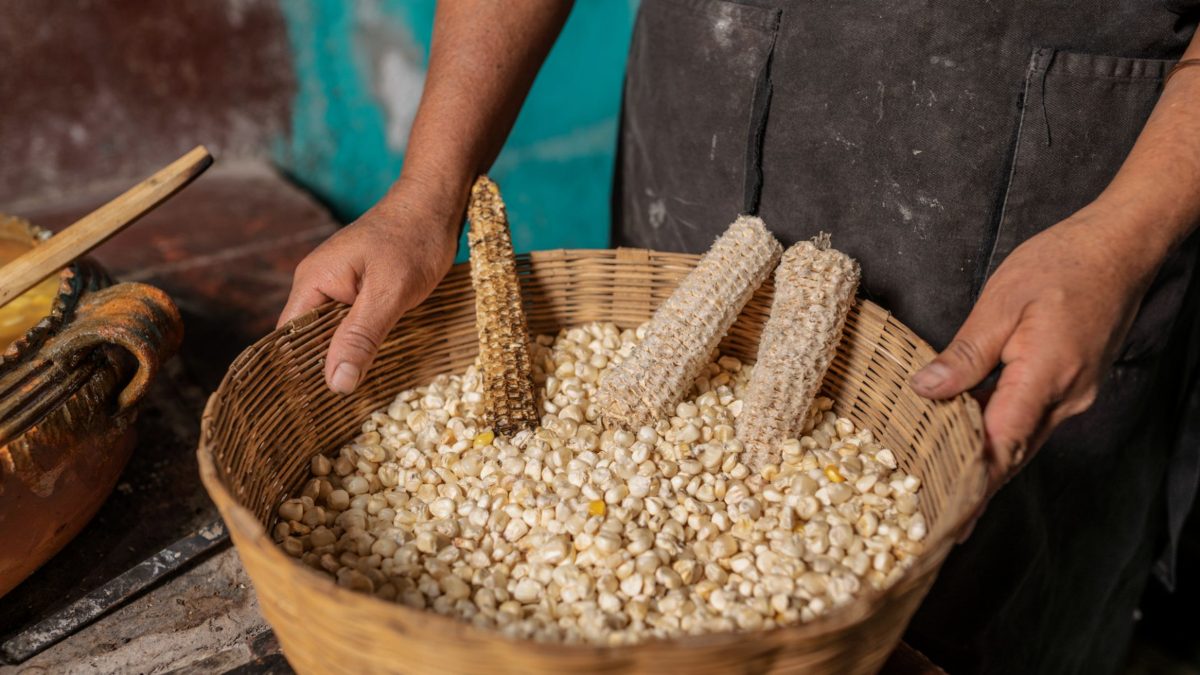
x=1054, y=313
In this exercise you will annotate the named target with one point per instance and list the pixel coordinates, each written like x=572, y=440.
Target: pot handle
x=138, y=318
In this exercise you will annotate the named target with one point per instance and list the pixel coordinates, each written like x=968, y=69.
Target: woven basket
x=272, y=413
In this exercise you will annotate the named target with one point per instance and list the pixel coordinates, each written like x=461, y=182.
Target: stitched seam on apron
x=1106, y=66
x=616, y=196
x=985, y=270
x=752, y=177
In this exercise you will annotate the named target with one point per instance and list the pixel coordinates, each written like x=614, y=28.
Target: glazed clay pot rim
x=72, y=280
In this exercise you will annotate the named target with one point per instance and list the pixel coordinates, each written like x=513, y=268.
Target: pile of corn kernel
x=579, y=534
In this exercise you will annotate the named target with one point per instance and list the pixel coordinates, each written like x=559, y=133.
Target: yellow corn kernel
x=686, y=328
x=484, y=438
x=814, y=291
x=832, y=473
x=597, y=507
x=504, y=360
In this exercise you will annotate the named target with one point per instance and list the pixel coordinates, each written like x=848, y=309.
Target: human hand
x=1054, y=313
x=383, y=264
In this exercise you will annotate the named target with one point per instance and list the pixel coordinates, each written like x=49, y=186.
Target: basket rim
x=246, y=529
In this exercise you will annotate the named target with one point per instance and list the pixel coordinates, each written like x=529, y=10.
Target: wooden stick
x=95, y=228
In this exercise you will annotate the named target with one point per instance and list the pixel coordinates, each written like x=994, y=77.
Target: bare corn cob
x=680, y=338
x=814, y=290
x=504, y=359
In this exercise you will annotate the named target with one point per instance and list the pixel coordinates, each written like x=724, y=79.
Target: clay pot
x=69, y=390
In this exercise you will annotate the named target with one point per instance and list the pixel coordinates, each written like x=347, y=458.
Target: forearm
x=1156, y=194
x=483, y=60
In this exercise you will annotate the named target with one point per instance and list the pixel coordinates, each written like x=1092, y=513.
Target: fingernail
x=345, y=378
x=930, y=376
x=1017, y=451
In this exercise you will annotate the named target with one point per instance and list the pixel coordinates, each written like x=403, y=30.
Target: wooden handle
x=95, y=228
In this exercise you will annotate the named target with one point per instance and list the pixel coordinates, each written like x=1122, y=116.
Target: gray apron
x=931, y=137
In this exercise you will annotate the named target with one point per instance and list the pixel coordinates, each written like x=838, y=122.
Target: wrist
x=1135, y=240
x=1146, y=229
x=1153, y=213
x=438, y=203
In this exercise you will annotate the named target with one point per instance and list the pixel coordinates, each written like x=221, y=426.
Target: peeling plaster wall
x=360, y=67
x=106, y=91
x=98, y=93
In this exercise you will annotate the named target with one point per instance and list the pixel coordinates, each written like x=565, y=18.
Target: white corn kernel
x=571, y=532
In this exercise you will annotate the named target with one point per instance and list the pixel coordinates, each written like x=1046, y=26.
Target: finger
x=1016, y=416
x=973, y=353
x=357, y=339
x=301, y=299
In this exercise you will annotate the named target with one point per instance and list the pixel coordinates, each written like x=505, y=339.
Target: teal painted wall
x=359, y=68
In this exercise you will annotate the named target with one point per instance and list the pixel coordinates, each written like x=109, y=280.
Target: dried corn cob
x=504, y=358
x=685, y=330
x=814, y=290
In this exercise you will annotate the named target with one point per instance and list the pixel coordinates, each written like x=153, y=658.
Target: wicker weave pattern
x=272, y=413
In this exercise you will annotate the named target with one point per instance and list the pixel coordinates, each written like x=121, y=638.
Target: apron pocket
x=696, y=94
x=1080, y=116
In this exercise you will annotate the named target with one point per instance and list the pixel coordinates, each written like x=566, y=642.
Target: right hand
x=383, y=264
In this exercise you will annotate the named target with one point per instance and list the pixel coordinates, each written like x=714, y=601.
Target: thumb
x=357, y=339
x=970, y=356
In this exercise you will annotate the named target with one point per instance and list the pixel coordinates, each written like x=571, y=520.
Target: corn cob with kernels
x=680, y=338
x=814, y=290
x=504, y=360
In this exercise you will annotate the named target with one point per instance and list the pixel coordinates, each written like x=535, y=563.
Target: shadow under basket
x=272, y=414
